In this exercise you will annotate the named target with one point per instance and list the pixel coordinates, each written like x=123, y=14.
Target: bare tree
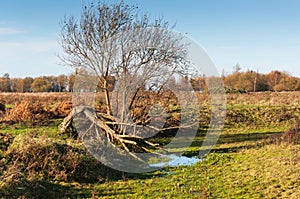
x=117, y=41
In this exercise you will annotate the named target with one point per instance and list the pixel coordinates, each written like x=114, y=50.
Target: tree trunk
x=107, y=98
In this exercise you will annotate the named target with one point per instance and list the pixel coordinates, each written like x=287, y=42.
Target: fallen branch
x=108, y=126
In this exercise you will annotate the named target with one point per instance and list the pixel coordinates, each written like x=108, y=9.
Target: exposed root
x=110, y=128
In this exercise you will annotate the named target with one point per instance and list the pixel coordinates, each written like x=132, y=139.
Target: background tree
x=5, y=84
x=27, y=81
x=21, y=84
x=275, y=78
x=62, y=81
x=70, y=84
x=17, y=85
x=249, y=81
x=231, y=81
x=288, y=83
x=41, y=84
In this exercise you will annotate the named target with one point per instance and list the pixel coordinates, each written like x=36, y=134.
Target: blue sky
x=262, y=35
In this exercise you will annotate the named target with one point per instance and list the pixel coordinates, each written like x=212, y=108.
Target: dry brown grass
x=50, y=98
x=40, y=106
x=31, y=159
x=28, y=112
x=291, y=136
x=34, y=107
x=265, y=99
x=61, y=109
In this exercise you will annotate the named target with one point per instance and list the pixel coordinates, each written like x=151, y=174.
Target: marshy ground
x=256, y=156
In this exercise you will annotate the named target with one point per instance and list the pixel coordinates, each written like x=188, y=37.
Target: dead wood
x=110, y=128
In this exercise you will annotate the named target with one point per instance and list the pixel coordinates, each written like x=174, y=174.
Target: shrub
x=61, y=109
x=28, y=112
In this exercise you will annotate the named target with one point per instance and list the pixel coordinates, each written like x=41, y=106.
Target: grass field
x=253, y=157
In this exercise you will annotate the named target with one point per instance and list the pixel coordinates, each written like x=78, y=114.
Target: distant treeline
x=61, y=83
x=238, y=81
x=251, y=81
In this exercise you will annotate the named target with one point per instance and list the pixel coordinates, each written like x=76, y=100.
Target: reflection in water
x=174, y=161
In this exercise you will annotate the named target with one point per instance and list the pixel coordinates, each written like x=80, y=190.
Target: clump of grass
x=36, y=159
x=61, y=109
x=36, y=112
x=27, y=111
x=291, y=136
x=5, y=141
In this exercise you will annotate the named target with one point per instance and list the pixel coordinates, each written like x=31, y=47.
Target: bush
x=28, y=112
x=61, y=109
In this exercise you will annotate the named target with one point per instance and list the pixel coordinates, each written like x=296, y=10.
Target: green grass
x=241, y=165
x=261, y=171
x=51, y=128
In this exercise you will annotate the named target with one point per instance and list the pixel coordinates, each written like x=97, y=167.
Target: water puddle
x=174, y=161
